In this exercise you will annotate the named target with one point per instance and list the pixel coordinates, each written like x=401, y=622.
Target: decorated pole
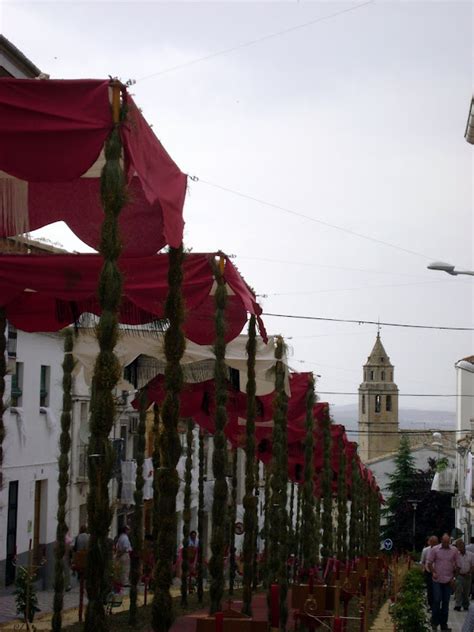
x=170, y=447
x=137, y=518
x=200, y=517
x=232, y=520
x=256, y=533
x=352, y=552
x=299, y=494
x=105, y=378
x=3, y=370
x=63, y=481
x=219, y=456
x=188, y=477
x=251, y=468
x=327, y=525
x=341, y=547
x=155, y=516
x=308, y=530
x=266, y=526
x=278, y=536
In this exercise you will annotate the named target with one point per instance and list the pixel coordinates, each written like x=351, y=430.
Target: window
x=381, y=359
x=372, y=376
x=388, y=403
x=377, y=403
x=382, y=376
x=44, y=385
x=391, y=376
x=17, y=385
x=363, y=404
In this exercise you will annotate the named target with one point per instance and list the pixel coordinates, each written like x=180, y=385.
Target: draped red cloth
x=48, y=292
x=53, y=132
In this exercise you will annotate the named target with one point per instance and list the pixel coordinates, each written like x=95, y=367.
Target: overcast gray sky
x=356, y=120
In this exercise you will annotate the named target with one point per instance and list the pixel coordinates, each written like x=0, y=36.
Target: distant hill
x=408, y=417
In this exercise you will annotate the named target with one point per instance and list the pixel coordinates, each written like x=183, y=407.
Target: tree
x=401, y=488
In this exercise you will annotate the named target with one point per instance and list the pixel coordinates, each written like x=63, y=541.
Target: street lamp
x=441, y=266
x=414, y=504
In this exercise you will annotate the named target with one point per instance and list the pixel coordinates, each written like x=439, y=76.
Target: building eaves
x=12, y=51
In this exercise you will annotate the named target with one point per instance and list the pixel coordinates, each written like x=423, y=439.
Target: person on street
x=470, y=548
x=82, y=539
x=432, y=541
x=123, y=548
x=442, y=563
x=464, y=576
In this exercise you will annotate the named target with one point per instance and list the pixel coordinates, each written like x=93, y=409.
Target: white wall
x=33, y=458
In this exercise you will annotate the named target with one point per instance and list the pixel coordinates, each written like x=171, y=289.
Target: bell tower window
x=388, y=403
x=382, y=376
x=377, y=403
x=372, y=376
x=363, y=404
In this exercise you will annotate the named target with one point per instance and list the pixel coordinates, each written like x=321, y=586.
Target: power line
x=329, y=267
x=257, y=40
x=368, y=322
x=382, y=392
x=321, y=222
x=350, y=289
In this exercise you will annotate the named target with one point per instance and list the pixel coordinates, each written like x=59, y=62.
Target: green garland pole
x=232, y=520
x=296, y=565
x=106, y=375
x=188, y=477
x=352, y=518
x=317, y=528
x=3, y=370
x=219, y=456
x=251, y=473
x=200, y=517
x=170, y=448
x=307, y=525
x=137, y=518
x=291, y=521
x=155, y=516
x=327, y=525
x=365, y=518
x=342, y=505
x=358, y=513
x=278, y=536
x=266, y=525
x=63, y=481
x=255, y=561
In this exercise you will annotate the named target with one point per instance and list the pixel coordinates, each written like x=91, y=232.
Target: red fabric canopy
x=197, y=401
x=51, y=134
x=49, y=292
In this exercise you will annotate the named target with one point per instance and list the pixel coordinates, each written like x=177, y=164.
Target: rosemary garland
x=251, y=468
x=188, y=477
x=219, y=456
x=106, y=375
x=308, y=519
x=162, y=616
x=137, y=518
x=63, y=481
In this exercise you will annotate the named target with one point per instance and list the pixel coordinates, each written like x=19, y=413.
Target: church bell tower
x=378, y=406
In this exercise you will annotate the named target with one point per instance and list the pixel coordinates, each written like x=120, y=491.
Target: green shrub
x=25, y=594
x=409, y=613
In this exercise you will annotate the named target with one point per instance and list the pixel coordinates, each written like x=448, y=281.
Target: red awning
x=52, y=135
x=49, y=292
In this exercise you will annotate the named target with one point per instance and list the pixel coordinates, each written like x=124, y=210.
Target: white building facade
x=464, y=441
